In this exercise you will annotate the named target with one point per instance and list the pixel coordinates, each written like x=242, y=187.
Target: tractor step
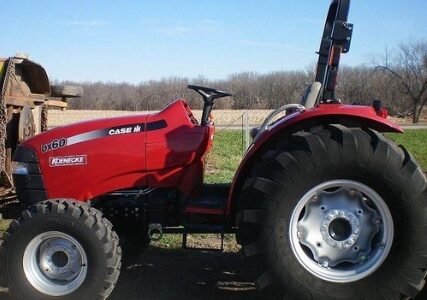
x=200, y=229
x=206, y=214
x=212, y=201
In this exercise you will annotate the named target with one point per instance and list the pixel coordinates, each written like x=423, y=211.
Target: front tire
x=336, y=213
x=61, y=248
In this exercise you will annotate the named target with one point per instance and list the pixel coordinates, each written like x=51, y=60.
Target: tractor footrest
x=205, y=206
x=212, y=201
x=203, y=229
x=204, y=210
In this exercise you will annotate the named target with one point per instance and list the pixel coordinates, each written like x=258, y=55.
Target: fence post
x=246, y=124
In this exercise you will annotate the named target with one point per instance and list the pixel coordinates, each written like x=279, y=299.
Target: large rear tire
x=61, y=248
x=336, y=213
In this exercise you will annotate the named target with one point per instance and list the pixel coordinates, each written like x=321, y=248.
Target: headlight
x=19, y=168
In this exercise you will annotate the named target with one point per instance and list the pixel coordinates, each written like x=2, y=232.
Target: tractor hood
x=117, y=131
x=84, y=160
x=73, y=158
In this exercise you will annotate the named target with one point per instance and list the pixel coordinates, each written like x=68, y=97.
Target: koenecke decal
x=62, y=161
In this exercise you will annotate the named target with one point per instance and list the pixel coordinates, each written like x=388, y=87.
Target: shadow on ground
x=181, y=274
x=185, y=274
x=160, y=274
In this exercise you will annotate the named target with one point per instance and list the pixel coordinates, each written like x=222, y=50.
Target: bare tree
x=401, y=85
x=409, y=70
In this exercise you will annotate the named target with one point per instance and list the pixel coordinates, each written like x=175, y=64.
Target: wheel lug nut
x=300, y=235
x=325, y=264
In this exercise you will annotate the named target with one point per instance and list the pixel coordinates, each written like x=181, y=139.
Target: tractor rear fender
x=348, y=115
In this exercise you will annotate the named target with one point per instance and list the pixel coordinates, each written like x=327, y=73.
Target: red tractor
x=323, y=204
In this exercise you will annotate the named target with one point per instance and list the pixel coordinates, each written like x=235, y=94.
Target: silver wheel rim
x=55, y=263
x=341, y=231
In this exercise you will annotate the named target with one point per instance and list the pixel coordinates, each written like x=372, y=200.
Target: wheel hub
x=340, y=222
x=60, y=259
x=55, y=263
x=340, y=229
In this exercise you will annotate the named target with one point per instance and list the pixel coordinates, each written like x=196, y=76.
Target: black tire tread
x=329, y=145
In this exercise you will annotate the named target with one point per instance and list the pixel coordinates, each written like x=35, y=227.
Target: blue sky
x=101, y=40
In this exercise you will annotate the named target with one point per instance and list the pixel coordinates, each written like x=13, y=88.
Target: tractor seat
x=311, y=95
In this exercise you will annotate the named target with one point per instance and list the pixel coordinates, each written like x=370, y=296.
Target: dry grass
x=221, y=117
x=3, y=226
x=204, y=240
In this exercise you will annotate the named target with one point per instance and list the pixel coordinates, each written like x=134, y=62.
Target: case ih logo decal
x=67, y=161
x=99, y=133
x=124, y=130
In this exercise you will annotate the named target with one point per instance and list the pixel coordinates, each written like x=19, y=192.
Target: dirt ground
x=171, y=274
x=161, y=274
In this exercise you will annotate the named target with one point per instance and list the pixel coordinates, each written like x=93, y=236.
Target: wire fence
x=243, y=122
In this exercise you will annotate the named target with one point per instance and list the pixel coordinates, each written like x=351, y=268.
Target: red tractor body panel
x=108, y=162
x=175, y=155
x=364, y=115
x=88, y=159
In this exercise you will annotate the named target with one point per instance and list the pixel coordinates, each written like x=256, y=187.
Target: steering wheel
x=208, y=94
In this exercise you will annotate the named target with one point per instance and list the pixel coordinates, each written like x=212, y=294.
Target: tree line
x=399, y=80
